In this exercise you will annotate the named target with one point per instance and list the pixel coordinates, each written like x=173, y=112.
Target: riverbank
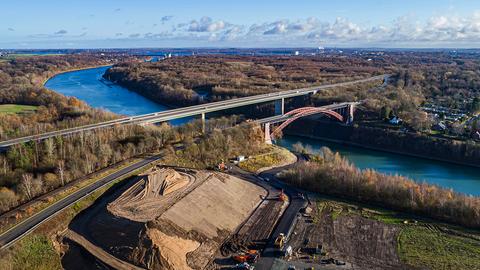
x=71, y=70
x=379, y=140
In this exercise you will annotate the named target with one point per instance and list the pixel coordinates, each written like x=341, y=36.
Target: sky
x=52, y=24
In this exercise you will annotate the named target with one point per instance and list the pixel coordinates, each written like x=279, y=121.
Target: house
x=395, y=121
x=440, y=126
x=476, y=136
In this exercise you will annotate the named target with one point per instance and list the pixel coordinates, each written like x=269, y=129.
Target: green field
x=433, y=249
x=15, y=108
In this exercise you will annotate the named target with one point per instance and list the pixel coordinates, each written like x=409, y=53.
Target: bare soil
x=360, y=242
x=167, y=219
x=147, y=199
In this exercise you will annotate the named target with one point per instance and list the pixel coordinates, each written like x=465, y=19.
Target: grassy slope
x=15, y=108
x=418, y=245
x=36, y=252
x=274, y=156
x=422, y=243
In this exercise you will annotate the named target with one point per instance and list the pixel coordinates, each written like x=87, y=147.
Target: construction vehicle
x=280, y=241
x=221, y=166
x=282, y=197
x=250, y=256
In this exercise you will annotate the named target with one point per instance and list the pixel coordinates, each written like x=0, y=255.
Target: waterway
x=89, y=86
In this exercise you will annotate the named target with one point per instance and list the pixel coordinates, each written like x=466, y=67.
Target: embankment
x=412, y=144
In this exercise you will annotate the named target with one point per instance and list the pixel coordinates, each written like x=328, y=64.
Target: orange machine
x=282, y=197
x=251, y=256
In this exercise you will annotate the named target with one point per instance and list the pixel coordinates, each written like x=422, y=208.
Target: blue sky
x=245, y=23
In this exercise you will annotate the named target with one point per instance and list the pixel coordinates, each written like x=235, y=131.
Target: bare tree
x=3, y=161
x=61, y=171
x=27, y=186
x=49, y=148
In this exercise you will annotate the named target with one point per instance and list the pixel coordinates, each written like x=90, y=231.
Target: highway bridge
x=201, y=109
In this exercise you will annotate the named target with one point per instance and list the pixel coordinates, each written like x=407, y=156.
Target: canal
x=89, y=86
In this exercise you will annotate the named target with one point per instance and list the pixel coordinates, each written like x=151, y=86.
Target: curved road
x=16, y=233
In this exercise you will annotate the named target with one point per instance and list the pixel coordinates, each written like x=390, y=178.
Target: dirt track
x=99, y=253
x=153, y=194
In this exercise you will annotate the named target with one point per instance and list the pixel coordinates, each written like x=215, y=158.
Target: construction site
x=174, y=218
x=178, y=218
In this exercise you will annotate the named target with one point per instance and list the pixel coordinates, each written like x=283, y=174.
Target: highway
x=187, y=111
x=17, y=232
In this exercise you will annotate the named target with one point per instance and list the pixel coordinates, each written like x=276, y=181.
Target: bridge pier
x=280, y=106
x=351, y=110
x=268, y=138
x=203, y=122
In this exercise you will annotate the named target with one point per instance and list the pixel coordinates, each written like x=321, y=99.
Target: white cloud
x=205, y=24
x=406, y=31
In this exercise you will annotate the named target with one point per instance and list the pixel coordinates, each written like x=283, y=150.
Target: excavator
x=280, y=241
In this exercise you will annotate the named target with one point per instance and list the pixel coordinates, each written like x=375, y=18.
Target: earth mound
x=188, y=234
x=144, y=200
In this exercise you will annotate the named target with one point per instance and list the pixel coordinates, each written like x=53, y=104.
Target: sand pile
x=173, y=249
x=151, y=195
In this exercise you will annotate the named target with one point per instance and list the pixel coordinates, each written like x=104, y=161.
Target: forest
x=32, y=169
x=195, y=79
x=329, y=173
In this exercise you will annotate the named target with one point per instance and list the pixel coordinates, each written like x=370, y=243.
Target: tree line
x=329, y=173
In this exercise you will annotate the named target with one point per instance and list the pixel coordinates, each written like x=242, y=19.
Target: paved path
x=286, y=222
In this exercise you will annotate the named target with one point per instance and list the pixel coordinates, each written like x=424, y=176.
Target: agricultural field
x=16, y=108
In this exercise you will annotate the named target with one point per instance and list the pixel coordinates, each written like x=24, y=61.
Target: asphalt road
x=287, y=220
x=16, y=233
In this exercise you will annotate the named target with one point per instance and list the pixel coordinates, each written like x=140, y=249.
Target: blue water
x=88, y=86
x=460, y=178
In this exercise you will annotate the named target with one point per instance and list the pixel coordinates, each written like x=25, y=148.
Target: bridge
x=202, y=109
x=342, y=112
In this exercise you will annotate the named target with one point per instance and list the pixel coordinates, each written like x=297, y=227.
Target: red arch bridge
x=342, y=112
